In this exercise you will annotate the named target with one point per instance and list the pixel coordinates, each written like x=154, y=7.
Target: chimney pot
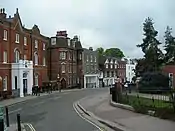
x=90, y=48
x=9, y=16
x=3, y=10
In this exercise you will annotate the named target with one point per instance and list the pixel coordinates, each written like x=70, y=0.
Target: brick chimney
x=75, y=38
x=61, y=33
x=2, y=13
x=90, y=48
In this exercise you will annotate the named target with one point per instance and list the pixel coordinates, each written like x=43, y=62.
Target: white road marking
x=30, y=126
x=17, y=110
x=87, y=119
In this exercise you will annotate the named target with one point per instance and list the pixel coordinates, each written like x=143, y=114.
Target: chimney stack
x=2, y=13
x=75, y=38
x=90, y=48
x=62, y=33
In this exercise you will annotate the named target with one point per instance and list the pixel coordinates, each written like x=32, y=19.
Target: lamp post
x=58, y=80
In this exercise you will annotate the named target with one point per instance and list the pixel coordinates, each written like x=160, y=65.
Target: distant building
x=65, y=60
x=121, y=69
x=90, y=68
x=130, y=67
x=108, y=67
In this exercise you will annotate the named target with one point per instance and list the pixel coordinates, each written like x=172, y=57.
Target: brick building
x=65, y=60
x=121, y=69
x=22, y=55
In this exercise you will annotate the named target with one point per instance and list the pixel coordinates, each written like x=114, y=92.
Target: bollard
x=7, y=116
x=18, y=122
x=1, y=125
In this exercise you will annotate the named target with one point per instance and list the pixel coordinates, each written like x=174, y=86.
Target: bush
x=154, y=82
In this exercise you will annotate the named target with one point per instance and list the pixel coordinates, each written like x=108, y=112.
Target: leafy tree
x=169, y=46
x=153, y=54
x=114, y=52
x=100, y=51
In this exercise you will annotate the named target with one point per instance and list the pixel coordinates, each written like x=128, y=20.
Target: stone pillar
x=30, y=79
x=84, y=81
x=21, y=82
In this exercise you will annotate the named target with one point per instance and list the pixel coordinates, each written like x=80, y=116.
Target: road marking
x=30, y=126
x=87, y=119
x=17, y=110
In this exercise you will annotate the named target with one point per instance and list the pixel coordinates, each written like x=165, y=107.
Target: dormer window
x=111, y=66
x=53, y=41
x=106, y=66
x=107, y=61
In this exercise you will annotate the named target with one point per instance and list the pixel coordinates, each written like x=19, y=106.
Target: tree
x=114, y=52
x=169, y=46
x=100, y=51
x=150, y=47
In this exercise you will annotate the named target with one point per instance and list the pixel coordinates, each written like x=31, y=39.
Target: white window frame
x=63, y=68
x=36, y=44
x=35, y=58
x=5, y=81
x=80, y=56
x=68, y=42
x=44, y=46
x=115, y=66
x=5, y=35
x=111, y=66
x=87, y=58
x=25, y=40
x=53, y=41
x=5, y=57
x=44, y=61
x=95, y=59
x=17, y=38
x=91, y=58
x=62, y=55
x=106, y=66
x=17, y=56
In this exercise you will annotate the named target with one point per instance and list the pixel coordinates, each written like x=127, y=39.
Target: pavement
x=51, y=112
x=98, y=106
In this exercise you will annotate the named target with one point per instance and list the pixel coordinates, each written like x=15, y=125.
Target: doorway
x=25, y=86
x=63, y=83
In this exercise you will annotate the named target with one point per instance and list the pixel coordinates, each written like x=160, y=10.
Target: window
x=95, y=59
x=36, y=80
x=5, y=35
x=80, y=56
x=70, y=68
x=36, y=58
x=115, y=66
x=5, y=83
x=74, y=56
x=87, y=58
x=17, y=38
x=91, y=58
x=53, y=41
x=25, y=40
x=44, y=61
x=36, y=44
x=17, y=56
x=44, y=46
x=68, y=42
x=16, y=82
x=5, y=57
x=106, y=65
x=62, y=55
x=63, y=68
x=25, y=57
x=111, y=66
x=69, y=55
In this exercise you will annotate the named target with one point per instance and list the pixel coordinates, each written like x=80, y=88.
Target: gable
x=17, y=21
x=107, y=61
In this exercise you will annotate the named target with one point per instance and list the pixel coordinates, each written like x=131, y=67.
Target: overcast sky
x=99, y=23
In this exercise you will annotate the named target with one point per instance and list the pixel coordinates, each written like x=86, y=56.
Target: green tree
x=114, y=52
x=169, y=46
x=100, y=51
x=150, y=47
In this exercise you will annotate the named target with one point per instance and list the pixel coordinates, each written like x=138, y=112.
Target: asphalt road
x=54, y=112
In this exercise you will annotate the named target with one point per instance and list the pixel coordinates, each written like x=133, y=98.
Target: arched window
x=17, y=56
x=36, y=79
x=36, y=58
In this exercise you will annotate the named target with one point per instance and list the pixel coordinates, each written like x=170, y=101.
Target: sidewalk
x=12, y=101
x=99, y=106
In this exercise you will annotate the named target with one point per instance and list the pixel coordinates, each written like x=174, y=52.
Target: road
x=54, y=112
